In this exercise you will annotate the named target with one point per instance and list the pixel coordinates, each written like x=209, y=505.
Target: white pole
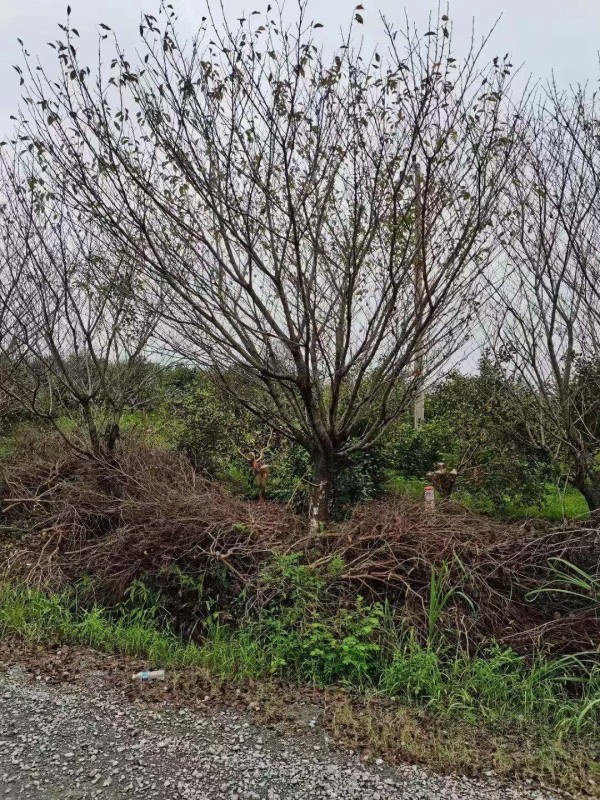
x=429, y=497
x=419, y=408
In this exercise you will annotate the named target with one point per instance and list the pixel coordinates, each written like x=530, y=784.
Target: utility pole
x=419, y=270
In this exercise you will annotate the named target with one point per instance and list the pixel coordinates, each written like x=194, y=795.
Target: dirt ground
x=74, y=725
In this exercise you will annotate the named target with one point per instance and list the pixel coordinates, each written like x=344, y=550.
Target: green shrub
x=157, y=426
x=482, y=416
x=292, y=582
x=412, y=453
x=319, y=649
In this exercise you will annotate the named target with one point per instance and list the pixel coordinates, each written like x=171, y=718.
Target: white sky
x=544, y=35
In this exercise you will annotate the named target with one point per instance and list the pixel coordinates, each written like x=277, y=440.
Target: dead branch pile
x=146, y=513
x=137, y=515
x=484, y=568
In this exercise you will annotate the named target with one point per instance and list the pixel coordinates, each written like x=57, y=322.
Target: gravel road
x=72, y=742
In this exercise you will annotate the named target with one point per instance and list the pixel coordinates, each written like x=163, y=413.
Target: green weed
x=570, y=580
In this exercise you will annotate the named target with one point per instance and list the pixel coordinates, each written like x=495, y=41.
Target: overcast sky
x=545, y=35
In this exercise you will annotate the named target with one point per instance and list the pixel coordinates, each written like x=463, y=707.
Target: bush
x=146, y=515
x=412, y=453
x=482, y=570
x=209, y=423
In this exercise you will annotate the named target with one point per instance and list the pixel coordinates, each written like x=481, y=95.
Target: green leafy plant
x=293, y=582
x=570, y=580
x=345, y=648
x=358, y=646
x=441, y=594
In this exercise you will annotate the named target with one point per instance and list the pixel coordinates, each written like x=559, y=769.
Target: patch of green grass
x=558, y=504
x=411, y=487
x=6, y=446
x=567, y=504
x=498, y=686
x=157, y=426
x=359, y=647
x=496, y=709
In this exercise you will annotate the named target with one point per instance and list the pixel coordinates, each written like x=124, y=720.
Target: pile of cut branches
x=145, y=514
x=138, y=514
x=472, y=574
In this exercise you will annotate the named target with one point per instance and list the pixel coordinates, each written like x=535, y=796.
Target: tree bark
x=587, y=481
x=320, y=495
x=591, y=491
x=112, y=436
x=92, y=429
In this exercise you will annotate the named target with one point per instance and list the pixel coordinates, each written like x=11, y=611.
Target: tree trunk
x=588, y=482
x=92, y=429
x=591, y=491
x=112, y=436
x=320, y=495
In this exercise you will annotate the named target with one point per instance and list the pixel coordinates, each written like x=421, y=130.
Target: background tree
x=75, y=327
x=270, y=186
x=546, y=328
x=482, y=432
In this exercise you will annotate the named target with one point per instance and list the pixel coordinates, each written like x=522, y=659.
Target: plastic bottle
x=150, y=675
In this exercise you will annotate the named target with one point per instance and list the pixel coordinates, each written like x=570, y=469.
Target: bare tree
x=74, y=325
x=270, y=186
x=546, y=330
x=578, y=114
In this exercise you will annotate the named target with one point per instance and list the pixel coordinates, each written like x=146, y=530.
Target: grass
x=50, y=619
x=538, y=716
x=411, y=487
x=6, y=446
x=558, y=504
x=358, y=647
